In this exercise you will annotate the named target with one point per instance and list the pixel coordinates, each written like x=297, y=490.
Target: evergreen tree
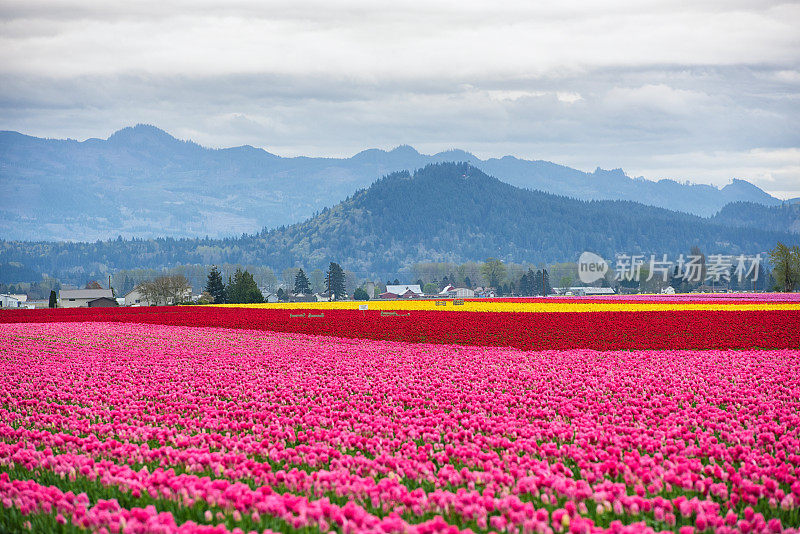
x=334, y=281
x=215, y=287
x=522, y=287
x=527, y=283
x=468, y=283
x=537, y=283
x=228, y=289
x=360, y=294
x=53, y=299
x=243, y=289
x=301, y=284
x=546, y=288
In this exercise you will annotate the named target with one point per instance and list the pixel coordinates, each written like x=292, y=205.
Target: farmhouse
x=134, y=297
x=79, y=298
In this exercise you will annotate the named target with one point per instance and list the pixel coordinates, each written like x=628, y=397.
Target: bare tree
x=165, y=289
x=149, y=291
x=178, y=288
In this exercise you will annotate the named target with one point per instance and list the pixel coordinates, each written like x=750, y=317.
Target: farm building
x=402, y=292
x=457, y=292
x=102, y=302
x=9, y=300
x=79, y=298
x=584, y=291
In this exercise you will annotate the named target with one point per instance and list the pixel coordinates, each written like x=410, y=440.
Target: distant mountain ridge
x=442, y=212
x=142, y=182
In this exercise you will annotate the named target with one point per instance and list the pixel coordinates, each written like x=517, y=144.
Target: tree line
x=242, y=288
x=167, y=289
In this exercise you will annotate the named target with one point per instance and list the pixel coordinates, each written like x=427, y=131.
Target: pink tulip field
x=126, y=427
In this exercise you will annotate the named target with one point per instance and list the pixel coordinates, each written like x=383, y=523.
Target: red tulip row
x=150, y=428
x=629, y=330
x=693, y=298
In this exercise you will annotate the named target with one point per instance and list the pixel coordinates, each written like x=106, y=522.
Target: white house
x=79, y=298
x=134, y=297
x=269, y=296
x=485, y=292
x=13, y=300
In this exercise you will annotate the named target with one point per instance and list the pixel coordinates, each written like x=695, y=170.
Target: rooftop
x=85, y=293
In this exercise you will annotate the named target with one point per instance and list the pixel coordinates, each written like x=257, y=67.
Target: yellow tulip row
x=556, y=305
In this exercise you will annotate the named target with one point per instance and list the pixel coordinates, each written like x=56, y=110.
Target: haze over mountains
x=443, y=212
x=142, y=182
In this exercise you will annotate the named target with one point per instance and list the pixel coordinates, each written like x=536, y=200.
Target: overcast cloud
x=704, y=92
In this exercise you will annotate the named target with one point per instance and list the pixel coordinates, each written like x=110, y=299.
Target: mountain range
x=142, y=182
x=443, y=212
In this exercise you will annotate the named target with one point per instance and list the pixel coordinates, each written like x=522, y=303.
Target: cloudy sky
x=703, y=91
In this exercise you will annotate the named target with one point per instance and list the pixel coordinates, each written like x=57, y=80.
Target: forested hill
x=443, y=212
x=783, y=218
x=142, y=182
